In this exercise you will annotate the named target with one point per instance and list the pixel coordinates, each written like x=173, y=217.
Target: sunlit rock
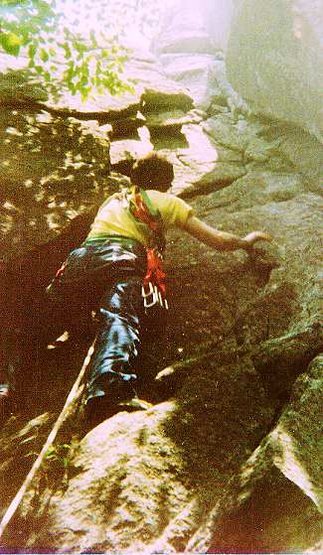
x=171, y=121
x=190, y=48
x=201, y=74
x=196, y=28
x=51, y=169
x=227, y=458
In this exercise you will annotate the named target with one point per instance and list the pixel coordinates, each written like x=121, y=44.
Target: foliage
x=59, y=454
x=57, y=466
x=58, y=56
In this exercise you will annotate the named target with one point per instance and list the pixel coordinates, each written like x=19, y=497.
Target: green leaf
x=67, y=50
x=85, y=91
x=11, y=43
x=39, y=69
x=44, y=9
x=44, y=56
x=32, y=50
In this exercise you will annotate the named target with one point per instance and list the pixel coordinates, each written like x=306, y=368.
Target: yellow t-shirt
x=114, y=218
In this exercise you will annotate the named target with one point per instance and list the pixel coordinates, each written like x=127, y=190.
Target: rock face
x=274, y=59
x=279, y=488
x=55, y=159
x=190, y=48
x=197, y=29
x=52, y=168
x=227, y=459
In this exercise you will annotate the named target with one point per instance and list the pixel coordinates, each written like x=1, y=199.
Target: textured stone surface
x=227, y=459
x=278, y=491
x=189, y=52
x=200, y=462
x=188, y=27
x=274, y=59
x=51, y=169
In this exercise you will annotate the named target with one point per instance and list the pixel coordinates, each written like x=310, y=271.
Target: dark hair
x=152, y=172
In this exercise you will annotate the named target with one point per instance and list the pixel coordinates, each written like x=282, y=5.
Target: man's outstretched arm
x=221, y=240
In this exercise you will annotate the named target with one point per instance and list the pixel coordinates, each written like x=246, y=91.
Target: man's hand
x=254, y=237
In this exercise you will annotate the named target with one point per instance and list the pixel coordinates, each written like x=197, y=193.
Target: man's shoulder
x=161, y=197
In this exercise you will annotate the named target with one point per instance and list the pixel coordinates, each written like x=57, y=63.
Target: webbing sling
x=154, y=287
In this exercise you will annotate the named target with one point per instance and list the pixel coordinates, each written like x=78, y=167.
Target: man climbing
x=118, y=273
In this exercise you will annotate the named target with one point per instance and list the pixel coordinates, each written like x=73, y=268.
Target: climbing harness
x=153, y=288
x=142, y=210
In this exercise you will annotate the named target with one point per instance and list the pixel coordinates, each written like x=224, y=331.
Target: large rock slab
x=186, y=27
x=274, y=60
x=168, y=480
x=141, y=507
x=278, y=498
x=204, y=75
x=51, y=170
x=189, y=48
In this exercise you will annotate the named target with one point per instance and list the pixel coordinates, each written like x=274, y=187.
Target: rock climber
x=118, y=273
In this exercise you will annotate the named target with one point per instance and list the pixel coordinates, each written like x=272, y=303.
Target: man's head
x=152, y=172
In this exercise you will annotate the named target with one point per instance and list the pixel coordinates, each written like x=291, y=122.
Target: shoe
x=99, y=409
x=134, y=404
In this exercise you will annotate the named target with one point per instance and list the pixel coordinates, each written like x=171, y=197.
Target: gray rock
x=190, y=49
x=199, y=73
x=190, y=37
x=187, y=27
x=156, y=100
x=274, y=61
x=227, y=458
x=222, y=175
x=51, y=170
x=279, y=490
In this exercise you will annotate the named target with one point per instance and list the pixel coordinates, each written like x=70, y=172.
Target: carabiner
x=151, y=294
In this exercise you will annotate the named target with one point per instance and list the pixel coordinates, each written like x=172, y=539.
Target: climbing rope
x=73, y=396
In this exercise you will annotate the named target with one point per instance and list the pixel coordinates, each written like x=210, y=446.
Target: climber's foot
x=134, y=404
x=101, y=408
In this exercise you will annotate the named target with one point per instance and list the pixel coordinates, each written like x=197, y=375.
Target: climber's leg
x=112, y=368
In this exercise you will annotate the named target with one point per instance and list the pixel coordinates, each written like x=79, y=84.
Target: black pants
x=106, y=278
